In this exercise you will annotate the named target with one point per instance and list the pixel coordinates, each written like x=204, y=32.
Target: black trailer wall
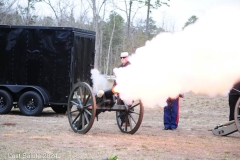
x=82, y=60
x=51, y=57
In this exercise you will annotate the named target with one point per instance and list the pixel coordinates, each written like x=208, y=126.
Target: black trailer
x=39, y=66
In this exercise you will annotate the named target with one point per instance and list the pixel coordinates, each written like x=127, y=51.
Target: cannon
x=231, y=126
x=84, y=106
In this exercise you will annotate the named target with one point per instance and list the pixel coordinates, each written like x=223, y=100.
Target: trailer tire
x=59, y=109
x=6, y=102
x=30, y=103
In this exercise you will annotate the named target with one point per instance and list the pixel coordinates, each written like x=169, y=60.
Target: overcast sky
x=181, y=10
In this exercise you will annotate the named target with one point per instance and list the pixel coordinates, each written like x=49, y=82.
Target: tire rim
x=31, y=104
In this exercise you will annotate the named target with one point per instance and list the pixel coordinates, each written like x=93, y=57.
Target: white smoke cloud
x=99, y=81
x=204, y=58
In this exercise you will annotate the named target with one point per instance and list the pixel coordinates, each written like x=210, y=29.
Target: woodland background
x=116, y=26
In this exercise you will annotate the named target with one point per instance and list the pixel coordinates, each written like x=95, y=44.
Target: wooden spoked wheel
x=237, y=114
x=81, y=108
x=129, y=120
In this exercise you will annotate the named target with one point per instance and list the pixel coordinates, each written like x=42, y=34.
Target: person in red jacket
x=171, y=113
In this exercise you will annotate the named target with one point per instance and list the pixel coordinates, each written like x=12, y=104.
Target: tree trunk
x=96, y=28
x=147, y=20
x=109, y=47
x=54, y=11
x=129, y=18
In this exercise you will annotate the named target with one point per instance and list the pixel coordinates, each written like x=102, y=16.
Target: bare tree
x=130, y=11
x=27, y=12
x=172, y=25
x=167, y=23
x=6, y=11
x=82, y=18
x=163, y=20
x=48, y=2
x=96, y=9
x=110, y=44
x=128, y=14
x=63, y=11
x=150, y=5
x=45, y=21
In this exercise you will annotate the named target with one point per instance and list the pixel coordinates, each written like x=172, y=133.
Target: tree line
x=114, y=31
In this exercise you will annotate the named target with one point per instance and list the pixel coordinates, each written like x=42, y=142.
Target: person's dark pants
x=232, y=100
x=171, y=114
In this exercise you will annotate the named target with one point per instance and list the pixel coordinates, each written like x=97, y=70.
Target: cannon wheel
x=237, y=114
x=81, y=108
x=133, y=115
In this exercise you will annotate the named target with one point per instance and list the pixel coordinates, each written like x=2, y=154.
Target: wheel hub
x=80, y=107
x=31, y=105
x=127, y=108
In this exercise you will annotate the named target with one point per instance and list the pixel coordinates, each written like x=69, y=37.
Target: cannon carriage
x=84, y=106
x=231, y=126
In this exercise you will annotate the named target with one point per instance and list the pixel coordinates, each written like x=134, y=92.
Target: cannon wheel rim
x=134, y=116
x=6, y=102
x=81, y=117
x=237, y=114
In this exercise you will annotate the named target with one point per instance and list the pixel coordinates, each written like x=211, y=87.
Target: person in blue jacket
x=171, y=113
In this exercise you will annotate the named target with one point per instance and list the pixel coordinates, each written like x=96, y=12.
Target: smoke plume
x=99, y=81
x=203, y=58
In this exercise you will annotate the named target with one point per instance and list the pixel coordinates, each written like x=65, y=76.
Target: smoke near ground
x=204, y=58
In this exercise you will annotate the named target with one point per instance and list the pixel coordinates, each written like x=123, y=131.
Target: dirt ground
x=50, y=136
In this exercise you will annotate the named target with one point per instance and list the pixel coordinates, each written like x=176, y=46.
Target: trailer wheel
x=81, y=108
x=30, y=103
x=130, y=120
x=6, y=102
x=237, y=114
x=59, y=109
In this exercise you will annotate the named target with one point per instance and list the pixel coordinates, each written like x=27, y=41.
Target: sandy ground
x=49, y=136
